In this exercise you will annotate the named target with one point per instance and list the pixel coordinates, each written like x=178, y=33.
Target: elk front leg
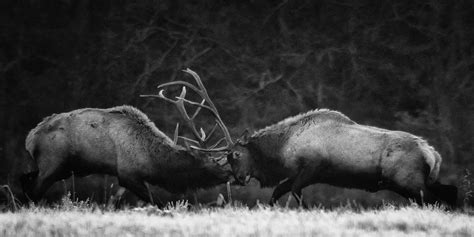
x=280, y=190
x=302, y=180
x=139, y=188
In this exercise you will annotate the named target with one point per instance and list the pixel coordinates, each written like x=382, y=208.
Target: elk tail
x=433, y=160
x=30, y=142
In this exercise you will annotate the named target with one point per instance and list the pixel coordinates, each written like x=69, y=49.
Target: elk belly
x=347, y=176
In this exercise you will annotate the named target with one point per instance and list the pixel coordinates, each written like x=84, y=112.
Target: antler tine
x=203, y=93
x=179, y=103
x=176, y=134
x=219, y=123
x=189, y=140
x=182, y=109
x=218, y=143
x=220, y=149
x=198, y=109
x=192, y=87
x=211, y=133
x=187, y=84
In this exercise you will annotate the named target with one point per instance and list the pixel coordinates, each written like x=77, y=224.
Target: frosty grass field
x=81, y=219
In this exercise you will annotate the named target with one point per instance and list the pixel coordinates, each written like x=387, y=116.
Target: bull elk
x=119, y=141
x=324, y=146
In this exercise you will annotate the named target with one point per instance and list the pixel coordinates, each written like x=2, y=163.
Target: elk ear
x=244, y=138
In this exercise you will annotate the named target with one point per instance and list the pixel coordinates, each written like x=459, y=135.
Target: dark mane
x=190, y=171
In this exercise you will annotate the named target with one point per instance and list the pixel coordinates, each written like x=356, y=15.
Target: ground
x=181, y=220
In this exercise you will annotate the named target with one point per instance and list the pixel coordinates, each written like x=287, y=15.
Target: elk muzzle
x=242, y=179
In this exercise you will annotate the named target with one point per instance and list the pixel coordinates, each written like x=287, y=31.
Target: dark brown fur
x=324, y=146
x=119, y=141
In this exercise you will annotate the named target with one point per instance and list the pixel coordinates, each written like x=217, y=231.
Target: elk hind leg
x=48, y=174
x=42, y=183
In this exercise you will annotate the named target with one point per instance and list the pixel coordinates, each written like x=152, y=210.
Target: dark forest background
x=401, y=65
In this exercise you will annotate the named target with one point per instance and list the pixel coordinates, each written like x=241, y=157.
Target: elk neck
x=266, y=157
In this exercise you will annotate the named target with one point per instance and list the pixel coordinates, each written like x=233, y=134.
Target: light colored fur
x=141, y=118
x=125, y=110
x=432, y=158
x=323, y=137
x=312, y=115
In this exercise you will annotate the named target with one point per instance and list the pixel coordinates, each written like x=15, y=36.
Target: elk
x=325, y=146
x=119, y=141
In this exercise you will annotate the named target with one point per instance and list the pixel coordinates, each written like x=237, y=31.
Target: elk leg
x=299, y=199
x=302, y=180
x=47, y=176
x=140, y=189
x=42, y=184
x=280, y=190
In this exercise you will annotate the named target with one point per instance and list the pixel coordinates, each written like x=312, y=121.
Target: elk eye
x=236, y=154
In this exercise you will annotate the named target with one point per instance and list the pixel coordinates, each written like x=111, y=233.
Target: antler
x=202, y=138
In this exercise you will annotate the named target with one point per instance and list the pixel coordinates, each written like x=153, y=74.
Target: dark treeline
x=402, y=65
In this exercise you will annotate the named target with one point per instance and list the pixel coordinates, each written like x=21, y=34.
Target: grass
x=179, y=219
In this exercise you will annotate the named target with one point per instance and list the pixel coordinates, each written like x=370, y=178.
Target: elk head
x=239, y=158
